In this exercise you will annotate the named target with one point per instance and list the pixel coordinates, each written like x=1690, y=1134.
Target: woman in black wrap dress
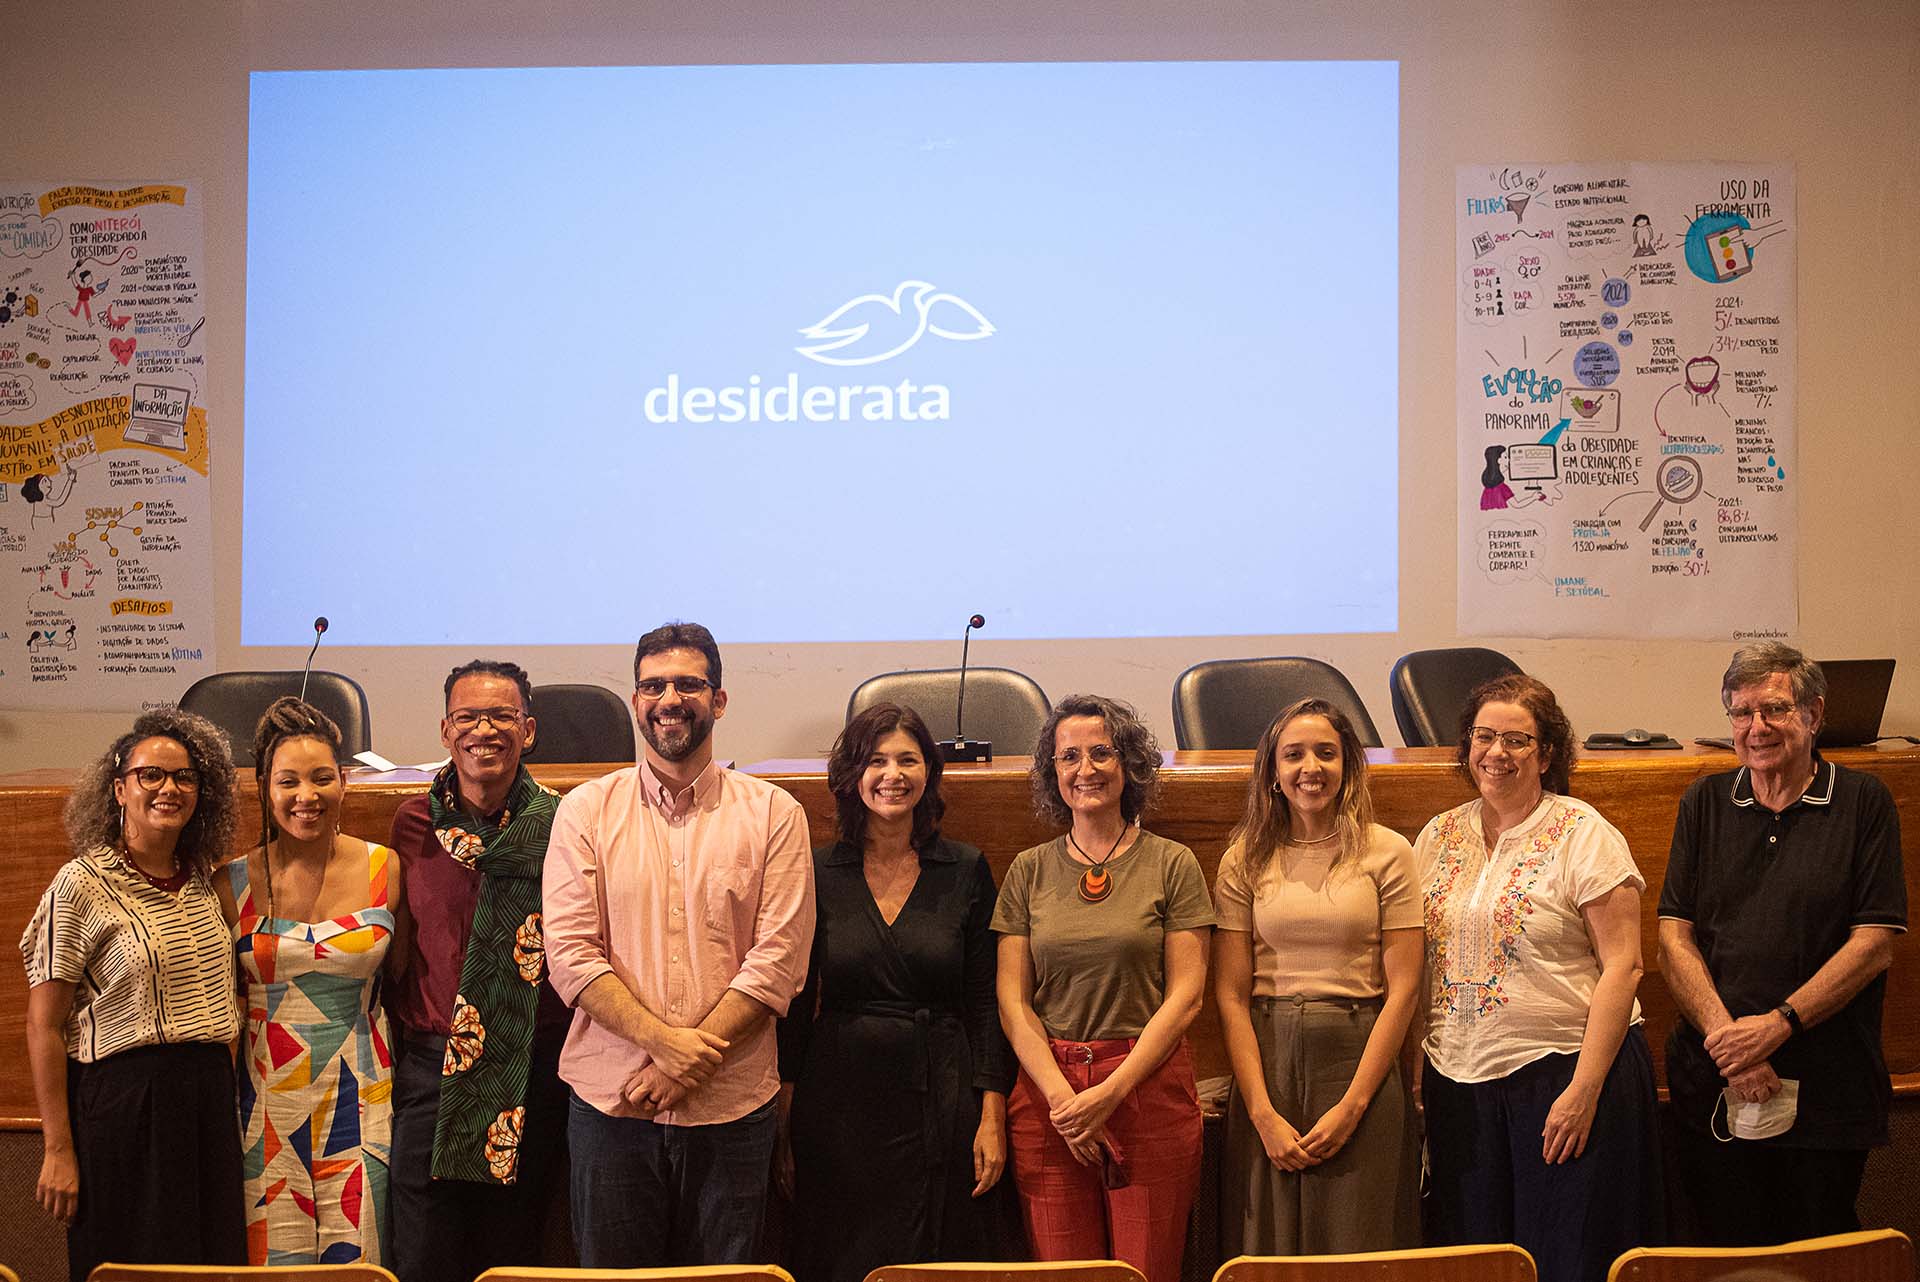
x=893, y=1065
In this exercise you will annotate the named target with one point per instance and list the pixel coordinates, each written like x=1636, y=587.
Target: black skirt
x=156, y=1132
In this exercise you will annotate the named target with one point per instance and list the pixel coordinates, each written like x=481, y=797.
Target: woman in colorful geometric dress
x=312, y=914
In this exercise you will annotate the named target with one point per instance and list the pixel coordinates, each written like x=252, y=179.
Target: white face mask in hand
x=1762, y=1121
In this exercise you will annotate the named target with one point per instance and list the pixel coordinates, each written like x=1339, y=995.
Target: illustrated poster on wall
x=1625, y=400
x=106, y=592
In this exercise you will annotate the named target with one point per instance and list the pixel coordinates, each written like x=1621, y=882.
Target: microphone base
x=968, y=750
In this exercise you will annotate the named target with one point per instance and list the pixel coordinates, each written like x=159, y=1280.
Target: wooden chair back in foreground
x=240, y=1273
x=1876, y=1255
x=1024, y=1271
x=691, y=1273
x=1503, y=1263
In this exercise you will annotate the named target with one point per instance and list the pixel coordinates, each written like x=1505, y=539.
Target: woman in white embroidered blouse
x=130, y=1011
x=1538, y=1084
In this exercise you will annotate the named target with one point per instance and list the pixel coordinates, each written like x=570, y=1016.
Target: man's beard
x=677, y=742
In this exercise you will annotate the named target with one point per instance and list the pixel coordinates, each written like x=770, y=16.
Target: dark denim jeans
x=454, y=1230
x=652, y=1196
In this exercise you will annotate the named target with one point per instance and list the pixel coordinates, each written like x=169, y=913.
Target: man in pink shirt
x=679, y=918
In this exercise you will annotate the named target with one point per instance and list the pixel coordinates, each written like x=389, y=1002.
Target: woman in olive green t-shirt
x=1103, y=960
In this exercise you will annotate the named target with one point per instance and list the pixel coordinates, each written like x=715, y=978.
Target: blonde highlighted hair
x=1268, y=823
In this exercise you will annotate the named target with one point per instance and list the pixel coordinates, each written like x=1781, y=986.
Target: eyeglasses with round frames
x=465, y=719
x=1514, y=741
x=653, y=688
x=1774, y=713
x=1100, y=754
x=186, y=778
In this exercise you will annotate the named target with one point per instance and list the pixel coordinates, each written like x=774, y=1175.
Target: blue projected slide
x=822, y=353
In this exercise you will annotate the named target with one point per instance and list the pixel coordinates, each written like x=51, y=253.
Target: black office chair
x=234, y=701
x=580, y=723
x=1228, y=703
x=1430, y=689
x=1004, y=707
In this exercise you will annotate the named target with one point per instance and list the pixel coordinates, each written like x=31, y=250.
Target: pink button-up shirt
x=680, y=898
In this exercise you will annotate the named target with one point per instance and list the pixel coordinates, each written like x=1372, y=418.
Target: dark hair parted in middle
x=286, y=718
x=1551, y=727
x=680, y=636
x=848, y=762
x=1139, y=756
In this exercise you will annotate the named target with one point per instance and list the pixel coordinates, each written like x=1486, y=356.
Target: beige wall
x=90, y=89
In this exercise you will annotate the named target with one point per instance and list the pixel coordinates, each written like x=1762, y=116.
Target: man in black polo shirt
x=1784, y=892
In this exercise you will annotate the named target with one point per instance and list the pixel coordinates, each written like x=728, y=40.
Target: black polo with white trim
x=1771, y=897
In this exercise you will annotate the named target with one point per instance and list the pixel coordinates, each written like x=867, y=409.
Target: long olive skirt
x=1365, y=1197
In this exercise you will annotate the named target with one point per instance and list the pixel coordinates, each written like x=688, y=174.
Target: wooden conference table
x=990, y=807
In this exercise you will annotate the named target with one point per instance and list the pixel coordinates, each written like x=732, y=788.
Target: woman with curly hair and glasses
x=1538, y=1084
x=313, y=912
x=1102, y=964
x=130, y=1013
x=1316, y=971
x=892, y=1055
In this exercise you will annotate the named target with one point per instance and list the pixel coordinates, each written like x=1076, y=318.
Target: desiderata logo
x=862, y=331
x=873, y=327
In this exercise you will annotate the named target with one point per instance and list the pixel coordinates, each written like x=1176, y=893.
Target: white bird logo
x=943, y=314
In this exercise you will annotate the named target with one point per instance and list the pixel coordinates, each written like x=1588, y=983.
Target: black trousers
x=156, y=1132
x=1744, y=1193
x=1490, y=1183
x=454, y=1230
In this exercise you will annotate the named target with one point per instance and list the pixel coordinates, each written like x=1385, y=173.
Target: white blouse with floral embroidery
x=1510, y=967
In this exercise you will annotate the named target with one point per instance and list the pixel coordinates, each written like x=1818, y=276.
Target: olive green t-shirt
x=1099, y=969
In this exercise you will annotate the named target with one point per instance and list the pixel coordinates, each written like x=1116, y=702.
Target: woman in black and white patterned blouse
x=131, y=1013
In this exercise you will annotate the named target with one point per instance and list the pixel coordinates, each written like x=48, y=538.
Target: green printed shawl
x=483, y=1082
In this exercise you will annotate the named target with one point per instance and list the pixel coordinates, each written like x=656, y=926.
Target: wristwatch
x=1792, y=1016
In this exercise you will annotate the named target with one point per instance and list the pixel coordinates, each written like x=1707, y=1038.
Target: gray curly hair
x=93, y=817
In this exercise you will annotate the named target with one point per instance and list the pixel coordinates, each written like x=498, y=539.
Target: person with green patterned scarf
x=479, y=1110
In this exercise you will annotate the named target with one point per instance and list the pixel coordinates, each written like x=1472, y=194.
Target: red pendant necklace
x=1096, y=883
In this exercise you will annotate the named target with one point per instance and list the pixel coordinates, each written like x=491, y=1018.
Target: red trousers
x=1071, y=1212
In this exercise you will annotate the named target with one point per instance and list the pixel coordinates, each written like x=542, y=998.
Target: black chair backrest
x=580, y=723
x=1004, y=707
x=1229, y=703
x=234, y=701
x=1430, y=689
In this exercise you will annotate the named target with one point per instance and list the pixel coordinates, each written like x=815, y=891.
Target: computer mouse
x=1637, y=736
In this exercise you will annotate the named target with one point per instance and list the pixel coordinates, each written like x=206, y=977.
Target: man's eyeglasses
x=652, y=688
x=465, y=719
x=186, y=778
x=1773, y=713
x=1099, y=754
x=1514, y=741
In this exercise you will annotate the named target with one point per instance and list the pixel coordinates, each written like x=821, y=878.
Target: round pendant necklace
x=1096, y=883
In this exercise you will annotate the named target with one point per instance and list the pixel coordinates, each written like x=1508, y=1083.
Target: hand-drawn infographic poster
x=106, y=585
x=1625, y=400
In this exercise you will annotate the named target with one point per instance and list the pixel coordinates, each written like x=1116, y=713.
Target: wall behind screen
x=98, y=89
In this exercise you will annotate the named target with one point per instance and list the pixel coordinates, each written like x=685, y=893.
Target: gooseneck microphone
x=319, y=626
x=959, y=748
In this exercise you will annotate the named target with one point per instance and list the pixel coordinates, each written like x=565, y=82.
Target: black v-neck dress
x=890, y=1044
